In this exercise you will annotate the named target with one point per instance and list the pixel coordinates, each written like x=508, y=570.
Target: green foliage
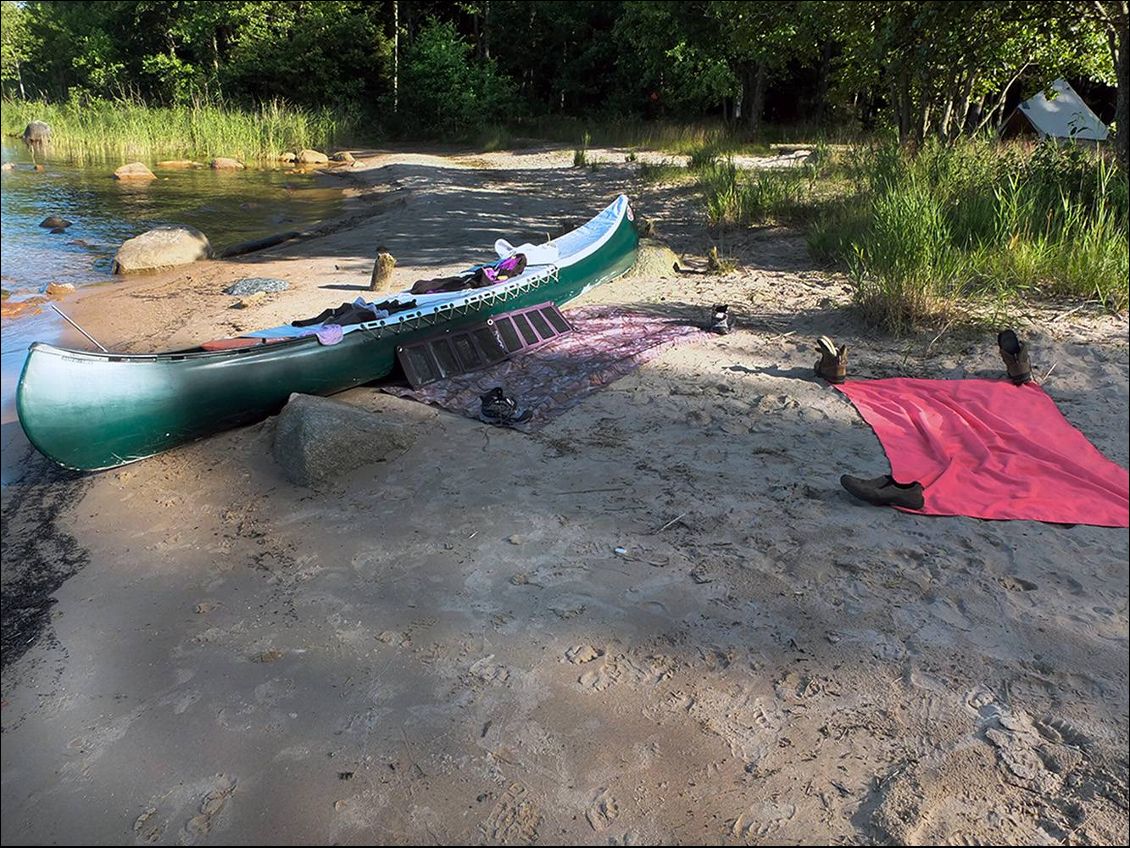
x=581, y=154
x=444, y=91
x=16, y=43
x=117, y=131
x=734, y=197
x=975, y=221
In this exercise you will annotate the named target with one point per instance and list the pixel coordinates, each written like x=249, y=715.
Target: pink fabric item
x=989, y=449
x=607, y=343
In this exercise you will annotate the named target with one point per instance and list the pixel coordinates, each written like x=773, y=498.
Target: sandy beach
x=657, y=620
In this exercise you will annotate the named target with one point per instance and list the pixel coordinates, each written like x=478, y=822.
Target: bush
x=445, y=94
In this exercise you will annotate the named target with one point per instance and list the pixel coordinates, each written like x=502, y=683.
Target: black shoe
x=1014, y=353
x=884, y=491
x=721, y=322
x=832, y=365
x=499, y=408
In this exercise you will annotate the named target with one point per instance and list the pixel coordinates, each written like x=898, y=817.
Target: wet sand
x=449, y=648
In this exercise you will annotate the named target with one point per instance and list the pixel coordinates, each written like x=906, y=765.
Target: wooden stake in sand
x=382, y=269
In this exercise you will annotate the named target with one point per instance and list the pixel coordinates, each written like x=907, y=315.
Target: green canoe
x=93, y=410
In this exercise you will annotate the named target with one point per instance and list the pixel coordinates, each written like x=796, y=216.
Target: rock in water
x=37, y=134
x=318, y=441
x=382, y=269
x=54, y=222
x=312, y=157
x=162, y=247
x=344, y=156
x=225, y=163
x=134, y=171
x=288, y=156
x=178, y=164
x=251, y=285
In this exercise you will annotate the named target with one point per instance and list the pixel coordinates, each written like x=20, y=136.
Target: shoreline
x=457, y=632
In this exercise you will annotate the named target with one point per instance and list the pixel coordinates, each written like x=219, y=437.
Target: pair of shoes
x=884, y=491
x=720, y=321
x=499, y=408
x=832, y=365
x=1014, y=353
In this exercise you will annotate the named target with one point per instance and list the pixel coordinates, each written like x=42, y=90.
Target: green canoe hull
x=90, y=411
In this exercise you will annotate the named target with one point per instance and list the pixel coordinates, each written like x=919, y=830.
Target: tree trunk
x=824, y=74
x=1121, y=54
x=486, y=29
x=757, y=100
x=395, y=55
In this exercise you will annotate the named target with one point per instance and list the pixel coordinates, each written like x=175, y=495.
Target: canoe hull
x=91, y=411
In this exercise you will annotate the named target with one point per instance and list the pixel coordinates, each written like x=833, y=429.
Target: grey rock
x=52, y=222
x=318, y=441
x=37, y=133
x=251, y=285
x=162, y=247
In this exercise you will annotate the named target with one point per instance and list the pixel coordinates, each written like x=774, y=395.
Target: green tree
x=16, y=44
x=444, y=91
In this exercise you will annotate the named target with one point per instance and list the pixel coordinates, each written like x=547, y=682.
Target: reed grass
x=932, y=236
x=102, y=130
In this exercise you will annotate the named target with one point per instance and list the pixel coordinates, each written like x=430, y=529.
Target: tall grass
x=737, y=197
x=102, y=130
x=929, y=233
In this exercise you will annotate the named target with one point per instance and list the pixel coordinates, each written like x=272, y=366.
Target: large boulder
x=163, y=247
x=318, y=440
x=655, y=260
x=224, y=163
x=37, y=134
x=134, y=171
x=312, y=157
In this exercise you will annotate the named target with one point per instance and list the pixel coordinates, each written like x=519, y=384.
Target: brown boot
x=832, y=365
x=884, y=491
x=1014, y=353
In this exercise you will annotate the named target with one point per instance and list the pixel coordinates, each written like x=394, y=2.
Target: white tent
x=1065, y=116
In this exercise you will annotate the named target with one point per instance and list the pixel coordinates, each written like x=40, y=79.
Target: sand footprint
x=211, y=805
x=602, y=811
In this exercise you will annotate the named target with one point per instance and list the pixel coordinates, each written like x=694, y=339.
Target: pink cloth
x=989, y=449
x=607, y=343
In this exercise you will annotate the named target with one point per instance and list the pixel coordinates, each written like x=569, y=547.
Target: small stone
x=54, y=222
x=59, y=289
x=251, y=300
x=620, y=551
x=268, y=656
x=515, y=539
x=225, y=163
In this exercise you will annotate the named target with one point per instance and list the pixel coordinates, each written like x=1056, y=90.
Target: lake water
x=227, y=206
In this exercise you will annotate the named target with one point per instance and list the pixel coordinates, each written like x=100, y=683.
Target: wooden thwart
x=453, y=352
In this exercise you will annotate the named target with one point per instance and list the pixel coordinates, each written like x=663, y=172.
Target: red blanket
x=989, y=449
